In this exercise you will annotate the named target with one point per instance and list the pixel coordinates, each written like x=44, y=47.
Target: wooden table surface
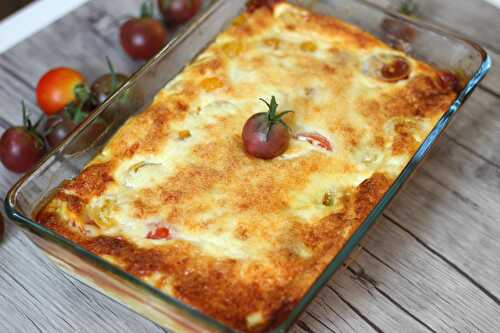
x=431, y=264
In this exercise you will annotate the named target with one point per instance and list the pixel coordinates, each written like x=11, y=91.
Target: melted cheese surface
x=247, y=237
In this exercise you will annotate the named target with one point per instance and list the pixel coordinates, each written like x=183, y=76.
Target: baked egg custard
x=174, y=199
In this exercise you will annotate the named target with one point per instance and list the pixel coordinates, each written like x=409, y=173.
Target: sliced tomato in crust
x=315, y=139
x=396, y=70
x=448, y=80
x=158, y=233
x=387, y=67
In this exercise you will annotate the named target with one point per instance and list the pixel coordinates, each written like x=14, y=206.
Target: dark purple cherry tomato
x=144, y=36
x=102, y=88
x=107, y=84
x=21, y=147
x=88, y=137
x=60, y=125
x=266, y=135
x=58, y=128
x=399, y=29
x=178, y=11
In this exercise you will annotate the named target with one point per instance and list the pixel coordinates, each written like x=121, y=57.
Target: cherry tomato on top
x=266, y=135
x=178, y=11
x=21, y=147
x=143, y=37
x=56, y=89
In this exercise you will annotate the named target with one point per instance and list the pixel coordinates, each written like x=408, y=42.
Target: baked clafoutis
x=174, y=198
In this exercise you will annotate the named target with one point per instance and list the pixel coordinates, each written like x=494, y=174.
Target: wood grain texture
x=455, y=211
x=413, y=282
x=472, y=19
x=431, y=263
x=476, y=20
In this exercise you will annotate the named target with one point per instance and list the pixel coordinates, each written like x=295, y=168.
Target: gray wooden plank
x=475, y=129
x=335, y=314
x=36, y=296
x=383, y=314
x=477, y=125
x=309, y=324
x=12, y=92
x=97, y=25
x=56, y=45
x=492, y=79
x=477, y=20
x=423, y=284
x=51, y=301
x=452, y=207
x=103, y=23
x=18, y=81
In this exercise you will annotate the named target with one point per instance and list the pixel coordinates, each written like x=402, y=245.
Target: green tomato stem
x=113, y=74
x=147, y=9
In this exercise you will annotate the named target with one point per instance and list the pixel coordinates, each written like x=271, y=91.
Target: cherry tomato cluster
x=144, y=36
x=66, y=100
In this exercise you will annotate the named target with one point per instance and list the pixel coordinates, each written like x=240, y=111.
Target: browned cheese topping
x=174, y=199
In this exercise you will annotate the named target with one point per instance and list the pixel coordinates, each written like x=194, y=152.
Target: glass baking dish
x=443, y=50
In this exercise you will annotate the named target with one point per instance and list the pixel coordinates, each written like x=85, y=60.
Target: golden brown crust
x=92, y=181
x=248, y=237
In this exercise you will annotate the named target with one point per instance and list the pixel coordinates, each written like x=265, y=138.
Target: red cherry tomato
x=315, y=139
x=158, y=233
x=178, y=11
x=56, y=89
x=142, y=38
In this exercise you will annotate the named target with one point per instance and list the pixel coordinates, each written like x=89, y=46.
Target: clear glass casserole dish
x=443, y=50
